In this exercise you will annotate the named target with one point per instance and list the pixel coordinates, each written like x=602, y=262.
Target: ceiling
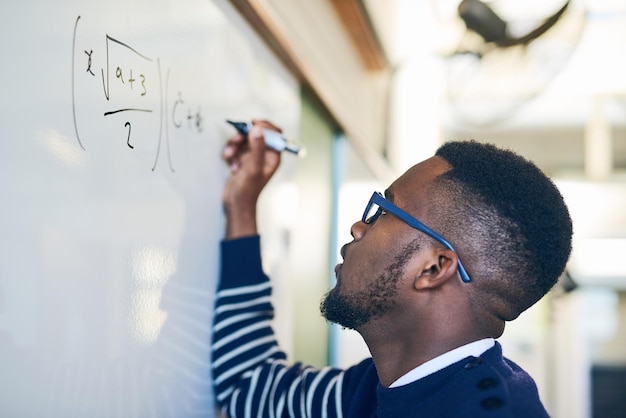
x=539, y=99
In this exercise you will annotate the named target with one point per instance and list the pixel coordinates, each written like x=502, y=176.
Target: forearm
x=241, y=329
x=250, y=373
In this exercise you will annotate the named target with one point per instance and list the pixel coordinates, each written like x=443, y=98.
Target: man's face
x=370, y=281
x=351, y=309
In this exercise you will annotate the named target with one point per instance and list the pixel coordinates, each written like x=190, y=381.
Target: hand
x=251, y=165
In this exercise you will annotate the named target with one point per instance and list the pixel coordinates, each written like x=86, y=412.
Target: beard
x=355, y=309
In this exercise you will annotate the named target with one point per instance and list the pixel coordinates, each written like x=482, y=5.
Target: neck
x=395, y=356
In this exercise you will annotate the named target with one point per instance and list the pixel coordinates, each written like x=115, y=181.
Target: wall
x=310, y=268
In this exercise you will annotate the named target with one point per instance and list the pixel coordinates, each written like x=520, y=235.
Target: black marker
x=272, y=138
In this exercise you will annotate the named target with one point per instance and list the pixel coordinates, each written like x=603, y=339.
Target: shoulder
x=488, y=385
x=498, y=384
x=360, y=383
x=360, y=377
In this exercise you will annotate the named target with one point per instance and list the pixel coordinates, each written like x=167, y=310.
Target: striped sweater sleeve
x=251, y=375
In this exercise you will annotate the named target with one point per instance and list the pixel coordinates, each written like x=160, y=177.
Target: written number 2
x=128, y=139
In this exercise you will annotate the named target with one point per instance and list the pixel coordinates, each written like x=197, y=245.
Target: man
x=458, y=245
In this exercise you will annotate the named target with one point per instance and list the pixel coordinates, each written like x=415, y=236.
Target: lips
x=340, y=265
x=338, y=269
x=343, y=251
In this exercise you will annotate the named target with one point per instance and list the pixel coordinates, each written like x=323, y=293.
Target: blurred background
x=384, y=82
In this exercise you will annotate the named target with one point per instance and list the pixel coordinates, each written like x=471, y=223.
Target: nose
x=358, y=230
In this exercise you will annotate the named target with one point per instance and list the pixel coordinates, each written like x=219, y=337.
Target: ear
x=436, y=269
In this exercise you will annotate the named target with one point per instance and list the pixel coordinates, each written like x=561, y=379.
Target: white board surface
x=111, y=127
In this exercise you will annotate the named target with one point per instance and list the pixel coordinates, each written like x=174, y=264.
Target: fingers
x=270, y=159
x=232, y=152
x=252, y=147
x=265, y=161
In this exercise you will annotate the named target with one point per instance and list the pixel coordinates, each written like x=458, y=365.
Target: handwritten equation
x=131, y=84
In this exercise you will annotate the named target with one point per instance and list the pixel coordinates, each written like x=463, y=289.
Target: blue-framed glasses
x=378, y=204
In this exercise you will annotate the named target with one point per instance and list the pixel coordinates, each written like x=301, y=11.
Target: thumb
x=256, y=141
x=265, y=160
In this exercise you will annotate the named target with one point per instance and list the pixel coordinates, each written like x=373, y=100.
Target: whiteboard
x=111, y=127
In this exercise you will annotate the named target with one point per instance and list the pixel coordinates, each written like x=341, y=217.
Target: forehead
x=412, y=185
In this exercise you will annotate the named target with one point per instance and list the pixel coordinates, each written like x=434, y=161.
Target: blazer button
x=487, y=383
x=473, y=363
x=491, y=403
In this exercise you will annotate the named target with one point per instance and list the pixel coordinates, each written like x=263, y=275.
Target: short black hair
x=512, y=219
